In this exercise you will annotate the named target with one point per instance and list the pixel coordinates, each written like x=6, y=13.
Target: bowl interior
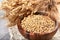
x=56, y=24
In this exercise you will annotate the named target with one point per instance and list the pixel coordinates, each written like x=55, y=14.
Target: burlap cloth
x=15, y=35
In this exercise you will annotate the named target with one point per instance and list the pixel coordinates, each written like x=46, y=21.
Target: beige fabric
x=15, y=35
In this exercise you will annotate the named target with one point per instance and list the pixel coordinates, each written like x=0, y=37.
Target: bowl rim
x=56, y=27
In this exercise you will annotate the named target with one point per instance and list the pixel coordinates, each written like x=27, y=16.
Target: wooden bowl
x=36, y=36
